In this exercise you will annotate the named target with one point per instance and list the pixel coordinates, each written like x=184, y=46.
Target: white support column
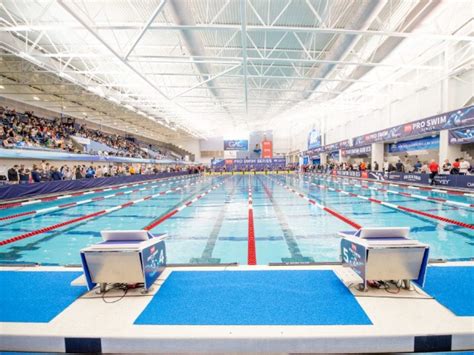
x=324, y=158
x=341, y=159
x=446, y=150
x=378, y=152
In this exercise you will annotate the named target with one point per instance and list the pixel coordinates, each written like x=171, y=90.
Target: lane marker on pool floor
x=251, y=254
x=89, y=216
x=406, y=194
x=46, y=210
x=182, y=207
x=291, y=243
x=397, y=207
x=403, y=185
x=60, y=197
x=319, y=205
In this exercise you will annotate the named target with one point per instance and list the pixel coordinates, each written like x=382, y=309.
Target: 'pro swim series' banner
x=415, y=144
x=366, y=149
x=462, y=135
x=236, y=144
x=249, y=164
x=458, y=118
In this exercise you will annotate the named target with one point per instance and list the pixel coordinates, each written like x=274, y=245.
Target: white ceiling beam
x=243, y=36
x=205, y=81
x=145, y=28
x=250, y=28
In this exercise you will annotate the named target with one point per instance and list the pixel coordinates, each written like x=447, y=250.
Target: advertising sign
x=267, y=149
x=363, y=150
x=415, y=144
x=314, y=139
x=462, y=135
x=354, y=255
x=236, y=144
x=458, y=118
x=154, y=262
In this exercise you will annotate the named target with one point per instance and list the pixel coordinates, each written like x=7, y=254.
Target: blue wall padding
x=453, y=287
x=36, y=296
x=284, y=297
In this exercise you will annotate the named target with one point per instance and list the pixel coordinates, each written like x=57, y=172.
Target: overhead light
x=85, y=114
x=2, y=87
x=130, y=107
x=36, y=98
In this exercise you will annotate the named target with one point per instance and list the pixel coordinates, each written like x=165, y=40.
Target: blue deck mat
x=286, y=297
x=452, y=286
x=36, y=296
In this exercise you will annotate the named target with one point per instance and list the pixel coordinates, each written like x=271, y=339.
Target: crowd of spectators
x=21, y=174
x=460, y=166
x=26, y=130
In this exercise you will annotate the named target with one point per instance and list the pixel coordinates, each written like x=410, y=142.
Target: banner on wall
x=267, y=149
x=415, y=144
x=236, y=144
x=462, y=135
x=247, y=164
x=458, y=118
x=314, y=139
x=364, y=150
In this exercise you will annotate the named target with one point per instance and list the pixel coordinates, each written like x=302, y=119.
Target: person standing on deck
x=434, y=168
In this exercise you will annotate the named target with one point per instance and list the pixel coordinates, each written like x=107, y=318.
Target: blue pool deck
x=277, y=309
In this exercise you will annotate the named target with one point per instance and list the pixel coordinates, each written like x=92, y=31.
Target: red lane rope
x=443, y=219
x=343, y=218
x=252, y=253
x=183, y=206
x=324, y=208
x=17, y=215
x=160, y=220
x=50, y=228
x=406, y=209
x=78, y=219
x=112, y=187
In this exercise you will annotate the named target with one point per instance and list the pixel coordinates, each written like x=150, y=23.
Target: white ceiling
x=180, y=68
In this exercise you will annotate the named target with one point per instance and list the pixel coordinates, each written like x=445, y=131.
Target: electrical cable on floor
x=384, y=285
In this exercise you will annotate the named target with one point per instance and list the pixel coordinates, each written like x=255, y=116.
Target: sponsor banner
x=463, y=181
x=458, y=118
x=415, y=144
x=363, y=150
x=267, y=149
x=236, y=144
x=459, y=181
x=462, y=135
x=314, y=139
x=49, y=187
x=334, y=155
x=249, y=164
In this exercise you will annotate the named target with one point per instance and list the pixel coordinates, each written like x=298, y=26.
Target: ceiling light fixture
x=36, y=98
x=2, y=87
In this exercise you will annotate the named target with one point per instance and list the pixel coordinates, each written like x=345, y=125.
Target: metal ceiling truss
x=219, y=64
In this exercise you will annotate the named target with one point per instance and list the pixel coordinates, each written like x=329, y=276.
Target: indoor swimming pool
x=207, y=219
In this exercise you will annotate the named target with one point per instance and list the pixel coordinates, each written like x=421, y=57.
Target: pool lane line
x=47, y=210
x=319, y=205
x=188, y=203
x=397, y=207
x=438, y=200
x=206, y=255
x=288, y=236
x=88, y=216
x=426, y=198
x=88, y=192
x=251, y=248
x=404, y=185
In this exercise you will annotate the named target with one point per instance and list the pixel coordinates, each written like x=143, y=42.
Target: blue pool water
x=214, y=229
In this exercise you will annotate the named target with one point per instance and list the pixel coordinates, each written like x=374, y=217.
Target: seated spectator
x=12, y=174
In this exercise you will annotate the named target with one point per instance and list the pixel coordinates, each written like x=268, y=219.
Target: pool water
x=214, y=229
